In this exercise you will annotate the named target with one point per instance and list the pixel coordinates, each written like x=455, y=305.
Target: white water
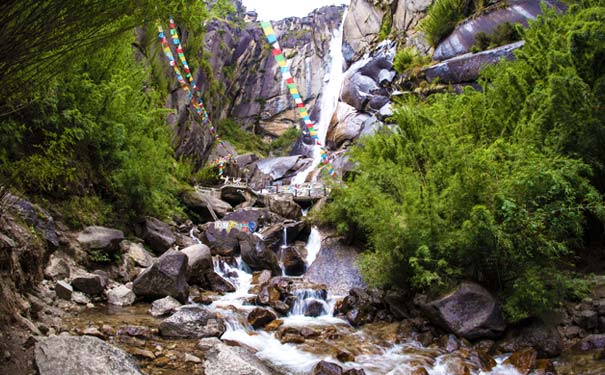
x=313, y=246
x=330, y=94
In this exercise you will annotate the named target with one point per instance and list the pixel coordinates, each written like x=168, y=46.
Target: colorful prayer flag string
x=289, y=80
x=193, y=93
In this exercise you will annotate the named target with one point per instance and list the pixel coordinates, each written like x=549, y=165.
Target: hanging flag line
x=194, y=94
x=287, y=77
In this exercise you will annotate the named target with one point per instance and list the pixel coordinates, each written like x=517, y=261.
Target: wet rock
x=89, y=283
x=192, y=322
x=164, y=306
x=469, y=311
x=121, y=296
x=524, y=360
x=274, y=325
x=283, y=206
x=64, y=290
x=58, y=355
x=142, y=353
x=221, y=359
x=290, y=335
x=362, y=306
x=587, y=319
x=345, y=356
x=217, y=283
x=258, y=318
x=199, y=263
x=57, y=268
x=592, y=342
x=201, y=203
x=466, y=68
x=314, y=308
x=258, y=257
x=536, y=334
x=294, y=264
x=261, y=277
x=157, y=234
x=327, y=368
x=137, y=254
x=449, y=343
x=100, y=238
x=544, y=367
x=166, y=277
x=398, y=304
x=135, y=331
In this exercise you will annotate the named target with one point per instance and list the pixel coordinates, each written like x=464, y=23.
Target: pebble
x=192, y=358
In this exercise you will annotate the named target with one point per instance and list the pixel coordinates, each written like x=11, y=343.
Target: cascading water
x=329, y=100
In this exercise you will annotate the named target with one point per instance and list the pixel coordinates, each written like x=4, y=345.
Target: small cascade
x=193, y=236
x=313, y=246
x=306, y=298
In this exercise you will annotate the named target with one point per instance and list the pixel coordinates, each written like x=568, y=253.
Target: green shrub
x=505, y=33
x=409, y=58
x=441, y=19
x=283, y=144
x=493, y=186
x=242, y=140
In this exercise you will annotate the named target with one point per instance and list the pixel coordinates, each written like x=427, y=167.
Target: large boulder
x=121, y=296
x=346, y=125
x=523, y=360
x=217, y=283
x=469, y=311
x=164, y=306
x=466, y=68
x=192, y=322
x=89, y=283
x=166, y=277
x=202, y=203
x=283, y=206
x=157, y=234
x=259, y=317
x=258, y=257
x=269, y=170
x=137, y=254
x=361, y=28
x=100, y=238
x=199, y=263
x=534, y=333
x=294, y=264
x=463, y=37
x=221, y=359
x=57, y=267
x=59, y=355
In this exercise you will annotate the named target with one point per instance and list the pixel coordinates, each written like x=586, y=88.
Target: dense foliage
x=494, y=186
x=443, y=16
x=82, y=122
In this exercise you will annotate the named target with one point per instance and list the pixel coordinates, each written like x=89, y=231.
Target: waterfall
x=330, y=94
x=313, y=246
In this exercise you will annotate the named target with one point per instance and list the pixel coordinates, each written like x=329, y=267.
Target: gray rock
x=157, y=234
x=80, y=298
x=466, y=68
x=545, y=339
x=64, y=290
x=217, y=283
x=37, y=218
x=346, y=125
x=258, y=257
x=279, y=167
x=259, y=317
x=199, y=263
x=221, y=359
x=199, y=202
x=587, y=319
x=283, y=206
x=192, y=322
x=166, y=277
x=121, y=296
x=361, y=28
x=469, y=311
x=327, y=368
x=57, y=268
x=592, y=342
x=164, y=306
x=137, y=254
x=336, y=267
x=89, y=283
x=59, y=355
x=100, y=238
x=463, y=37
